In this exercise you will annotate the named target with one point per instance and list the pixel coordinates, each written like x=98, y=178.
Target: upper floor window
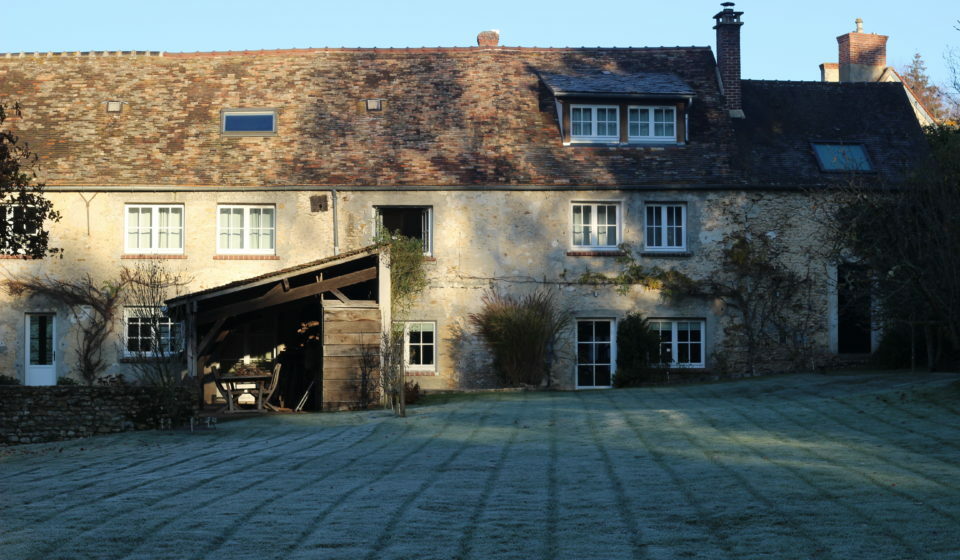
x=410, y=221
x=842, y=157
x=17, y=228
x=154, y=228
x=598, y=123
x=248, y=122
x=665, y=228
x=596, y=225
x=246, y=230
x=651, y=124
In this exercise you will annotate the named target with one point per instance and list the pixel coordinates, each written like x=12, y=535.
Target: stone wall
x=38, y=414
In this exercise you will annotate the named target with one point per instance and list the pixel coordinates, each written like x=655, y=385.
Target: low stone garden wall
x=38, y=414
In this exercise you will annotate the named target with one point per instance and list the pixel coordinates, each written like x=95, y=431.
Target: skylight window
x=842, y=157
x=248, y=122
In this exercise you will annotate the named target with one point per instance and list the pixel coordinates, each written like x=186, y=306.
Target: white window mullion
x=246, y=230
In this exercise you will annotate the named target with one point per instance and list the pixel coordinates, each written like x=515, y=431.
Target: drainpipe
x=336, y=237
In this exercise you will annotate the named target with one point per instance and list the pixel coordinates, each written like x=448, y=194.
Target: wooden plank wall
x=347, y=329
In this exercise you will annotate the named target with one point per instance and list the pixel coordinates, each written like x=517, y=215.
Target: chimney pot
x=489, y=38
x=859, y=23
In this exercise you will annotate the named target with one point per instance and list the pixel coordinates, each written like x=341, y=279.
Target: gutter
x=437, y=188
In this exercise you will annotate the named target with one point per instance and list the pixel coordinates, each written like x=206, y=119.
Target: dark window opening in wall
x=410, y=221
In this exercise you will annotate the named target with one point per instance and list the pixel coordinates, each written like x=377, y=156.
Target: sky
x=780, y=40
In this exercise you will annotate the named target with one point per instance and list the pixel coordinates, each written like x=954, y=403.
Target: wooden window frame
x=594, y=236
x=594, y=137
x=419, y=368
x=613, y=352
x=154, y=248
x=675, y=343
x=662, y=226
x=245, y=229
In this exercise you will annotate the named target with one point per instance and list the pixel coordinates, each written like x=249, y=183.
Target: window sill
x=667, y=254
x=155, y=256
x=17, y=258
x=145, y=359
x=246, y=258
x=420, y=373
x=596, y=253
x=633, y=144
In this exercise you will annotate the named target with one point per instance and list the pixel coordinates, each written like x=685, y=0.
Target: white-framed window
x=410, y=221
x=153, y=228
x=665, y=227
x=681, y=342
x=596, y=352
x=13, y=228
x=248, y=122
x=651, y=124
x=149, y=332
x=595, y=225
x=246, y=229
x=595, y=123
x=420, y=345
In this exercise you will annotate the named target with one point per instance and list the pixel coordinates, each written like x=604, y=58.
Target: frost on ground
x=860, y=466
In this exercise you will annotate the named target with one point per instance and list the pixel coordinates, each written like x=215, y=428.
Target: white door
x=41, y=365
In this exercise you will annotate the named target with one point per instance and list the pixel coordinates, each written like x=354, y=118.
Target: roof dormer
x=621, y=109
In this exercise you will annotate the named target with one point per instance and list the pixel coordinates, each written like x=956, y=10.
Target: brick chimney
x=728, y=56
x=863, y=56
x=489, y=38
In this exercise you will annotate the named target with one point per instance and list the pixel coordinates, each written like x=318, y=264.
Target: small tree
x=521, y=334
x=93, y=307
x=932, y=97
x=157, y=347
x=23, y=208
x=407, y=280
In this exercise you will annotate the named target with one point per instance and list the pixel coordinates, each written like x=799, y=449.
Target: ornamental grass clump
x=521, y=334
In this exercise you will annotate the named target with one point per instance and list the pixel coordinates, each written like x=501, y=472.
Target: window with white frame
x=596, y=225
x=651, y=124
x=154, y=228
x=149, y=332
x=681, y=342
x=246, y=229
x=411, y=221
x=665, y=227
x=595, y=123
x=420, y=345
x=596, y=352
x=14, y=233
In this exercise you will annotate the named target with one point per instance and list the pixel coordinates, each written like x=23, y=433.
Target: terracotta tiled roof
x=459, y=116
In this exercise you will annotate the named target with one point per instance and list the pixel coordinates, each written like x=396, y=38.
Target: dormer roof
x=609, y=84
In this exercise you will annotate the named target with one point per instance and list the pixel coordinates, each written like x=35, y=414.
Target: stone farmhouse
x=262, y=177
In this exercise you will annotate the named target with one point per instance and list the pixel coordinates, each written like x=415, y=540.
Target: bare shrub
x=521, y=334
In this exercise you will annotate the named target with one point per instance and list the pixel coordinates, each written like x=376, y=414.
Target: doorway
x=854, y=325
x=41, y=366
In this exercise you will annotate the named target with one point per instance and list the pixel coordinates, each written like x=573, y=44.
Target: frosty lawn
x=862, y=466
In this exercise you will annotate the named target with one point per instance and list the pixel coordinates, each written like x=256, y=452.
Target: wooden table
x=232, y=386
